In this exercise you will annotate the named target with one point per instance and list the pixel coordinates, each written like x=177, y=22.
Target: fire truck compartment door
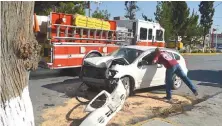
x=67, y=56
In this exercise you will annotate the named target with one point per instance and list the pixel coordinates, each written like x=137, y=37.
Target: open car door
x=113, y=103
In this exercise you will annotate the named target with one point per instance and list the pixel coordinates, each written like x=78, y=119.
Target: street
x=48, y=89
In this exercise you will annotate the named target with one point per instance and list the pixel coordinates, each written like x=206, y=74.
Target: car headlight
x=113, y=81
x=110, y=73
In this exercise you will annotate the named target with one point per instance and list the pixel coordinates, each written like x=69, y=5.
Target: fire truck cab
x=145, y=33
x=67, y=39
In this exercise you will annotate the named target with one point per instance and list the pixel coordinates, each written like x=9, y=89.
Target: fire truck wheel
x=93, y=55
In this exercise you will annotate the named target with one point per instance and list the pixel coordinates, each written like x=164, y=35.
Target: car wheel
x=177, y=82
x=127, y=83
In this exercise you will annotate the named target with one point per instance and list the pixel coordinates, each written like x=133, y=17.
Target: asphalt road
x=48, y=89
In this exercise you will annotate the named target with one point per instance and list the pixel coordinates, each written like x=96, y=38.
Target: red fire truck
x=66, y=39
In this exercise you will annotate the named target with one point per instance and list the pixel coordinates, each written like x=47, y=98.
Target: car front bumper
x=99, y=83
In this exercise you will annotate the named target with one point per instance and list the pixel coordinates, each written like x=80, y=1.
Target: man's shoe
x=171, y=101
x=195, y=93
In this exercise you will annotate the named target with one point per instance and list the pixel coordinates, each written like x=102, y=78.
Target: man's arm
x=156, y=58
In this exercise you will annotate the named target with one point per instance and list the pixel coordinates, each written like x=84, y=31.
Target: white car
x=133, y=65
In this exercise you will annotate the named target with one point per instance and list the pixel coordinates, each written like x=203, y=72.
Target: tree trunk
x=19, y=54
x=204, y=44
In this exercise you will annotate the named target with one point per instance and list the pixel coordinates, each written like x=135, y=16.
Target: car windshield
x=128, y=53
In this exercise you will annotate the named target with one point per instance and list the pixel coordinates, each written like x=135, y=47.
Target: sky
x=116, y=8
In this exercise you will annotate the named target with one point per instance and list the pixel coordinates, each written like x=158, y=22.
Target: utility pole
x=87, y=6
x=216, y=36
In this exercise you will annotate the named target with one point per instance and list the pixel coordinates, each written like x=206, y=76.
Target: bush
x=213, y=50
x=208, y=51
x=183, y=51
x=200, y=50
x=194, y=51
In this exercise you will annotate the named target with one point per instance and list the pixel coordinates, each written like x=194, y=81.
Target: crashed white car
x=133, y=65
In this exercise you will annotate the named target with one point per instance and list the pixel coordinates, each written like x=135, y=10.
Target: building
x=216, y=39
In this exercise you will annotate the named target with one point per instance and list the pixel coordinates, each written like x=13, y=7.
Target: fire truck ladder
x=110, y=35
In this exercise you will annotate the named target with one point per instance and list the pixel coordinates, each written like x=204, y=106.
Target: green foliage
x=193, y=31
x=163, y=15
x=131, y=9
x=101, y=14
x=146, y=18
x=174, y=18
x=180, y=14
x=70, y=7
x=207, y=12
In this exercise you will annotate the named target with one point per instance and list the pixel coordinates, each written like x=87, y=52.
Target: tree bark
x=19, y=54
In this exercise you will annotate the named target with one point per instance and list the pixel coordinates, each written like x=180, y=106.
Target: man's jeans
x=169, y=79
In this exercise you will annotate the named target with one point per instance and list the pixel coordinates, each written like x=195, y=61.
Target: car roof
x=147, y=48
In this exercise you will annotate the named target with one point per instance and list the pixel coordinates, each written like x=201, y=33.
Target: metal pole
x=212, y=37
x=216, y=41
x=89, y=8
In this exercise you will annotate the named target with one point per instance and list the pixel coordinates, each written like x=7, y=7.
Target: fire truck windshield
x=128, y=53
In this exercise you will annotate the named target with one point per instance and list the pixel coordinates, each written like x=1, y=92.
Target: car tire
x=177, y=82
x=127, y=82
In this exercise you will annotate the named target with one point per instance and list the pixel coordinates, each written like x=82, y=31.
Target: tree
x=101, y=14
x=159, y=11
x=180, y=14
x=146, y=18
x=19, y=54
x=131, y=9
x=70, y=7
x=163, y=15
x=192, y=31
x=207, y=12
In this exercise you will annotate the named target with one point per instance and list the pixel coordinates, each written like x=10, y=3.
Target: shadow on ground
x=37, y=76
x=47, y=73
x=75, y=122
x=211, y=84
x=210, y=76
x=68, y=87
x=156, y=89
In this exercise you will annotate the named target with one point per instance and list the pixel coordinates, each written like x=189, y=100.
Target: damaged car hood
x=99, y=61
x=103, y=62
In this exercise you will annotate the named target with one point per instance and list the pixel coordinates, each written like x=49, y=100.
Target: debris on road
x=135, y=109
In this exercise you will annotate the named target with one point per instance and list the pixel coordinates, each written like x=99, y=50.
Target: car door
x=146, y=72
x=159, y=78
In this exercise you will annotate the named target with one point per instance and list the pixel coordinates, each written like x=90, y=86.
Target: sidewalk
x=205, y=113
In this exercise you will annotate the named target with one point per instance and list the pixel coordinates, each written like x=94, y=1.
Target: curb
x=200, y=54
x=160, y=119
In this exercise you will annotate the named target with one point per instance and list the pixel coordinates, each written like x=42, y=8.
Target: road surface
x=49, y=89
